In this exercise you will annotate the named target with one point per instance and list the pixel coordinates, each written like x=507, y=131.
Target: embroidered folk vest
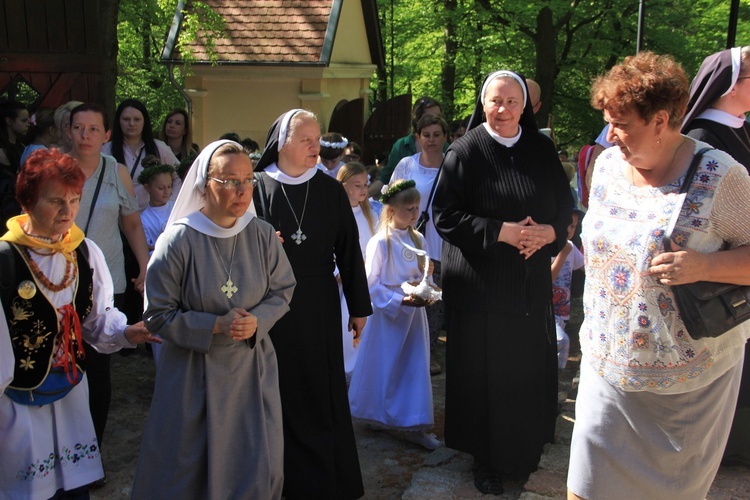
x=35, y=330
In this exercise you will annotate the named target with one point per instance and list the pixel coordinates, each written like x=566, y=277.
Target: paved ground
x=391, y=467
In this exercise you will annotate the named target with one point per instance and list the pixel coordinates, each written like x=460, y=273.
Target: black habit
x=320, y=454
x=501, y=385
x=715, y=77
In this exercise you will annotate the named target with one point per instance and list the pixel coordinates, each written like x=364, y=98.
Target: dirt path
x=391, y=468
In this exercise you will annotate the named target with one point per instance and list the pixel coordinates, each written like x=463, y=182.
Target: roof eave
x=374, y=36
x=330, y=36
x=245, y=63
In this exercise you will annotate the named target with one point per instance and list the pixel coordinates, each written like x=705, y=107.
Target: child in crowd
x=352, y=152
x=569, y=259
x=157, y=181
x=391, y=385
x=332, y=146
x=43, y=132
x=353, y=176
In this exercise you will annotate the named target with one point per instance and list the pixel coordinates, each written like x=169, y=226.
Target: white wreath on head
x=335, y=145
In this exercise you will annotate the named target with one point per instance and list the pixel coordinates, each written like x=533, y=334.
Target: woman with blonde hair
x=178, y=135
x=62, y=122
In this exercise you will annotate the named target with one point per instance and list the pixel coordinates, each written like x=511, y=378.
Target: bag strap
x=432, y=190
x=96, y=194
x=683, y=194
x=137, y=161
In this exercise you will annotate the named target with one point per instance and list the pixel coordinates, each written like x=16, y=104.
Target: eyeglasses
x=234, y=183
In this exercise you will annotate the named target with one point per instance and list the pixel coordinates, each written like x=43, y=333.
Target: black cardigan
x=483, y=184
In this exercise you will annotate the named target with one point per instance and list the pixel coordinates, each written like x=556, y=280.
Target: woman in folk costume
x=719, y=99
x=217, y=282
x=56, y=292
x=311, y=212
x=502, y=204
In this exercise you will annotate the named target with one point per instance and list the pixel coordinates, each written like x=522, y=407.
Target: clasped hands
x=237, y=324
x=526, y=235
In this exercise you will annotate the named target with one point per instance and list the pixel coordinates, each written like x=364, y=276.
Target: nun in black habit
x=311, y=213
x=719, y=99
x=502, y=205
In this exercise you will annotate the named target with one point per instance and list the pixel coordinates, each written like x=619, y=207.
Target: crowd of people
x=285, y=294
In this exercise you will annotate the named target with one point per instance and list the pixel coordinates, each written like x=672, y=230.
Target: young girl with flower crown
x=391, y=385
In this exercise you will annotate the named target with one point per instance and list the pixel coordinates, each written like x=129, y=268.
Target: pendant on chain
x=298, y=236
x=229, y=289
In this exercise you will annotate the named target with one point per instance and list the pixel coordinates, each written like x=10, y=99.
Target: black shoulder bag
x=708, y=309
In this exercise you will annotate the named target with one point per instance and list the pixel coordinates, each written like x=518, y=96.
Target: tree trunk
x=108, y=10
x=448, y=80
x=546, y=62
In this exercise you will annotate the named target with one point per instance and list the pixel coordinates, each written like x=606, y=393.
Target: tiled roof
x=269, y=31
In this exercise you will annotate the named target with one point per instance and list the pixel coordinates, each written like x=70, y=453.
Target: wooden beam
x=50, y=63
x=60, y=89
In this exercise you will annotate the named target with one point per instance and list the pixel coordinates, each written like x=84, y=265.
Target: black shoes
x=487, y=480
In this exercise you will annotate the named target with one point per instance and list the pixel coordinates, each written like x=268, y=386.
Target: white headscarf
x=284, y=128
x=736, y=64
x=192, y=198
x=499, y=74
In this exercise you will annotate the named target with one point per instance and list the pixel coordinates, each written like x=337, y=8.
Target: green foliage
x=588, y=36
x=141, y=32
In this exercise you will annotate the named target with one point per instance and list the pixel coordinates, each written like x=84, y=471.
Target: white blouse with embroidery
x=632, y=333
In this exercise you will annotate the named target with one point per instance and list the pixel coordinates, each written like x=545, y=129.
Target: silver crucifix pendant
x=298, y=237
x=229, y=289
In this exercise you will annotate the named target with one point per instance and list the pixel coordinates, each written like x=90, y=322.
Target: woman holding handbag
x=423, y=168
x=655, y=405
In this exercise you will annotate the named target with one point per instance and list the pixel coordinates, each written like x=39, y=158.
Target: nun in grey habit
x=217, y=282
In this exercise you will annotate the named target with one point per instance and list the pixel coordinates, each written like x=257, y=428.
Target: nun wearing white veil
x=501, y=205
x=217, y=282
x=312, y=213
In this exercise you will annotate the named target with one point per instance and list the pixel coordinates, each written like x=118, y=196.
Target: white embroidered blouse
x=632, y=333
